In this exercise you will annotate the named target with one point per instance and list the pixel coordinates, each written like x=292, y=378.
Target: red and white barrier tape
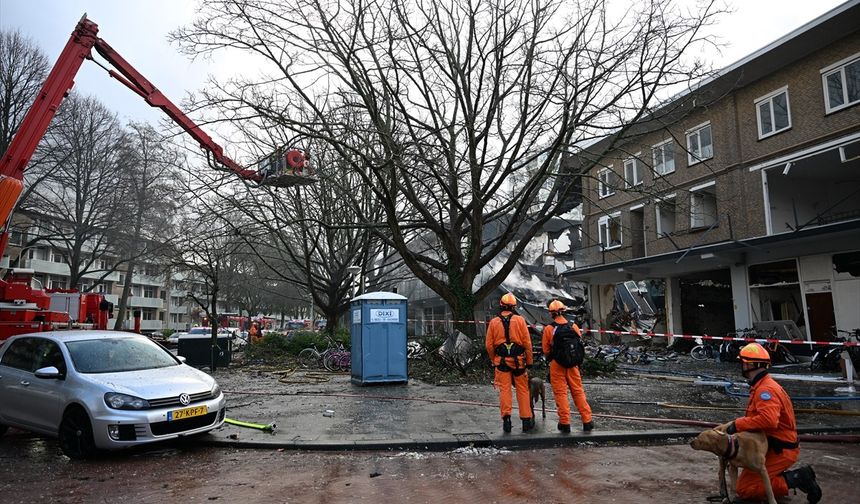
x=682, y=336
x=725, y=338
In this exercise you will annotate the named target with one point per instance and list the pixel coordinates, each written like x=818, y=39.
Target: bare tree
x=23, y=68
x=457, y=98
x=149, y=172
x=202, y=262
x=81, y=196
x=311, y=237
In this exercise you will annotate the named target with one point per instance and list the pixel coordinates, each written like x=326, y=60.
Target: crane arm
x=278, y=170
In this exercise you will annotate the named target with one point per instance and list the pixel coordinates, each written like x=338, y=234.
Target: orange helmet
x=754, y=353
x=508, y=301
x=556, y=306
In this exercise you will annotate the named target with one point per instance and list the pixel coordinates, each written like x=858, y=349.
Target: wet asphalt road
x=32, y=470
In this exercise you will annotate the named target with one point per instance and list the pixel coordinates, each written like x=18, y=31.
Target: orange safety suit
x=770, y=411
x=563, y=379
x=515, y=376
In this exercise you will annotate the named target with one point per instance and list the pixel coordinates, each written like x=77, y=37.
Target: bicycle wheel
x=700, y=353
x=787, y=356
x=330, y=361
x=344, y=361
x=308, y=358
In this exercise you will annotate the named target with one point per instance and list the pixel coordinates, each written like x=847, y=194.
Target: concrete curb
x=482, y=440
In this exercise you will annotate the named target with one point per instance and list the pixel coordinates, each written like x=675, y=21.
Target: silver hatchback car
x=103, y=390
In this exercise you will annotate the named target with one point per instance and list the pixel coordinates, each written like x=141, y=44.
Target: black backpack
x=567, y=347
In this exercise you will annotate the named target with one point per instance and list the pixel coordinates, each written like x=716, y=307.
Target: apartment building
x=159, y=295
x=743, y=194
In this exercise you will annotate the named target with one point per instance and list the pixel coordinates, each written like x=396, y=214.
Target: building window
x=703, y=205
x=632, y=172
x=609, y=230
x=700, y=144
x=58, y=257
x=38, y=253
x=57, y=283
x=841, y=83
x=773, y=113
x=149, y=291
x=607, y=181
x=121, y=280
x=665, y=210
x=664, y=157
x=16, y=238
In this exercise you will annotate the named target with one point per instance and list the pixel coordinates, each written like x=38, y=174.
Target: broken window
x=703, y=205
x=775, y=293
x=609, y=230
x=665, y=210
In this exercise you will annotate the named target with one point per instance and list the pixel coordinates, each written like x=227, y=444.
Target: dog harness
x=732, y=447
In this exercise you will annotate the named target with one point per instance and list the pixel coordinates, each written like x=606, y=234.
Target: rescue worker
x=254, y=333
x=770, y=411
x=510, y=349
x=563, y=378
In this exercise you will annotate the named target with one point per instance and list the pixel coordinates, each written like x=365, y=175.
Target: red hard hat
x=754, y=353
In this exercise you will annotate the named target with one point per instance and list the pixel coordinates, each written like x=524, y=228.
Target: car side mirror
x=181, y=359
x=49, y=372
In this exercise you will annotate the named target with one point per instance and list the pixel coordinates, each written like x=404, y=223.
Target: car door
x=31, y=402
x=15, y=378
x=48, y=394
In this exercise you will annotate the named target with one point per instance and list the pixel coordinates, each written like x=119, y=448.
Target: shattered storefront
x=801, y=284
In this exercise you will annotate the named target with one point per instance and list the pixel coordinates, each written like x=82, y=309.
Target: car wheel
x=76, y=435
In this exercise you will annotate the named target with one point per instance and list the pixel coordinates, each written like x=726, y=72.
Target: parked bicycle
x=312, y=357
x=731, y=350
x=705, y=350
x=826, y=358
x=338, y=359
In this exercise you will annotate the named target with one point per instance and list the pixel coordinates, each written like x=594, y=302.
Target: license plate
x=181, y=414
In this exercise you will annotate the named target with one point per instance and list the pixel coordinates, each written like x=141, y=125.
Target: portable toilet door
x=378, y=336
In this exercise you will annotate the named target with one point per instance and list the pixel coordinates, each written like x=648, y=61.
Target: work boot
x=506, y=423
x=564, y=428
x=528, y=424
x=588, y=427
x=803, y=478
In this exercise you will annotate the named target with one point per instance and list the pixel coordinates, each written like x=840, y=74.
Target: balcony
x=145, y=302
x=49, y=267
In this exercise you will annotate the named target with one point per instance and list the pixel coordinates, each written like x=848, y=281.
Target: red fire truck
x=25, y=309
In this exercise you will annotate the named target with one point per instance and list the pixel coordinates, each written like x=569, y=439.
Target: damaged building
x=742, y=196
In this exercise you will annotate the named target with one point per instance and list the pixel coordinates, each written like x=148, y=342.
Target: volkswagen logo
x=184, y=399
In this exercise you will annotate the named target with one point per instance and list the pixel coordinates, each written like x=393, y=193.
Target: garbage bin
x=378, y=335
x=196, y=348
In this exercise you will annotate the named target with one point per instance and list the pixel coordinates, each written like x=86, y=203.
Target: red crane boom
x=18, y=302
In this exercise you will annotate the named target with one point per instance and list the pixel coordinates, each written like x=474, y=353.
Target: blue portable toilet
x=378, y=333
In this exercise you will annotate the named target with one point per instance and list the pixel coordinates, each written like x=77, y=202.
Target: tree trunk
x=213, y=324
x=463, y=312
x=123, y=299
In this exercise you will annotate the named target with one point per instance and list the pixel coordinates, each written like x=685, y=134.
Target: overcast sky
x=138, y=31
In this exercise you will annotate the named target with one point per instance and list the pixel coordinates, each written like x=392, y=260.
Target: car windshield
x=200, y=330
x=115, y=355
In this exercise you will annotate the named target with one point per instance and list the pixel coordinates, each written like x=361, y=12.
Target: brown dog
x=744, y=449
x=537, y=390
